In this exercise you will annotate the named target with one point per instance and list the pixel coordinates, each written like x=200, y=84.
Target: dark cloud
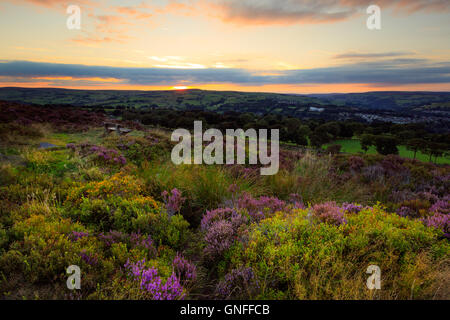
x=396, y=71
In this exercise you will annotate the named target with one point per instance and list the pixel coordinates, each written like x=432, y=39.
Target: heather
x=140, y=227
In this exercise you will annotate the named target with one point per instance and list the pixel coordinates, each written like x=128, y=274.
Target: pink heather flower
x=173, y=201
x=237, y=283
x=77, y=235
x=441, y=206
x=405, y=212
x=356, y=163
x=216, y=215
x=352, y=208
x=297, y=201
x=439, y=221
x=185, y=270
x=219, y=238
x=257, y=207
x=150, y=281
x=329, y=212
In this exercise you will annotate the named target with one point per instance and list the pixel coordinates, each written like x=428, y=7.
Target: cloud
x=273, y=12
x=355, y=55
x=134, y=13
x=396, y=71
x=93, y=41
x=262, y=12
x=286, y=12
x=174, y=62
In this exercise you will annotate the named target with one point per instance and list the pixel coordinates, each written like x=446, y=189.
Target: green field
x=354, y=146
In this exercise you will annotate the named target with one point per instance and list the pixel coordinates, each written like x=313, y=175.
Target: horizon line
x=191, y=89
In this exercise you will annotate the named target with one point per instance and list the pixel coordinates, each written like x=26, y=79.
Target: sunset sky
x=290, y=46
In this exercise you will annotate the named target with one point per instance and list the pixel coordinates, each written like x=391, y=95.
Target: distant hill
x=222, y=101
x=178, y=99
x=392, y=100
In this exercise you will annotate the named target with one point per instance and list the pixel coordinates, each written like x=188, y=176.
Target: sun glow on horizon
x=180, y=88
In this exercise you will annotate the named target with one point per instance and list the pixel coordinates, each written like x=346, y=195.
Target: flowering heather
x=77, y=235
x=173, y=201
x=233, y=188
x=109, y=156
x=185, y=270
x=219, y=238
x=151, y=283
x=237, y=284
x=240, y=171
x=356, y=163
x=426, y=195
x=439, y=221
x=405, y=212
x=441, y=206
x=351, y=207
x=215, y=215
x=112, y=237
x=297, y=201
x=393, y=164
x=137, y=239
x=258, y=207
x=105, y=155
x=329, y=212
x=88, y=258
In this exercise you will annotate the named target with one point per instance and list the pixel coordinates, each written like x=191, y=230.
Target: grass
x=354, y=146
x=61, y=139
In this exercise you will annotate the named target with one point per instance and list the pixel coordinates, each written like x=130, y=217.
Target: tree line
x=384, y=136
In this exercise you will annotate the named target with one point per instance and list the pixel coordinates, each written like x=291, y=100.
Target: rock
x=46, y=145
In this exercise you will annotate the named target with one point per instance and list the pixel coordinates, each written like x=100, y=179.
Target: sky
x=287, y=46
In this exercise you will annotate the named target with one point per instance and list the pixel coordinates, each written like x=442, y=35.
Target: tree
x=366, y=141
x=436, y=149
x=406, y=135
x=386, y=145
x=332, y=128
x=334, y=148
x=416, y=145
x=301, y=134
x=319, y=137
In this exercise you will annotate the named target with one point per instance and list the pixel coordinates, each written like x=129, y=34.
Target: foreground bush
x=295, y=257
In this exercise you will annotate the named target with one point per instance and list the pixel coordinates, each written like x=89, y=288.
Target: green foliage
x=296, y=258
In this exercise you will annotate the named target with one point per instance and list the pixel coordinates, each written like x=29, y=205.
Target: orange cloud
x=135, y=13
x=287, y=12
x=54, y=3
x=94, y=79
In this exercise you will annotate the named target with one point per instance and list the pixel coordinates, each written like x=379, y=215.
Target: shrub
x=152, y=284
x=294, y=259
x=439, y=221
x=239, y=283
x=46, y=248
x=219, y=238
x=356, y=163
x=258, y=208
x=329, y=212
x=173, y=201
x=185, y=271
